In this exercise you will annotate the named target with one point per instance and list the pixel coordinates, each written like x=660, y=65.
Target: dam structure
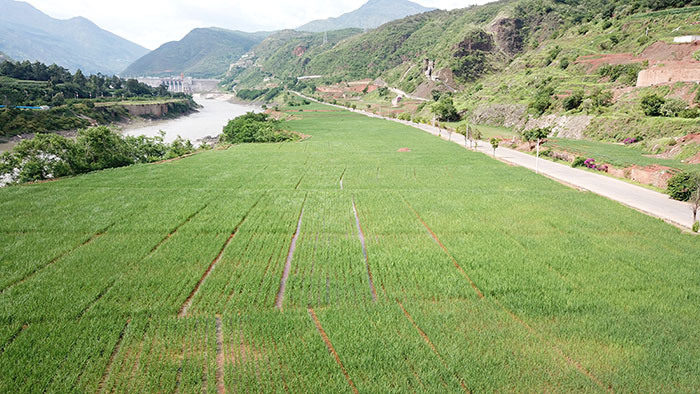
x=182, y=84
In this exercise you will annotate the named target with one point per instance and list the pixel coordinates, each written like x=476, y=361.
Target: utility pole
x=325, y=37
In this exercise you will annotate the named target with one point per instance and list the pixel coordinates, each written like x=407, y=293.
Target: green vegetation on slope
x=203, y=53
x=580, y=293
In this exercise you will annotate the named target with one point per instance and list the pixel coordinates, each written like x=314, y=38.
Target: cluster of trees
x=60, y=85
x=685, y=186
x=266, y=95
x=655, y=105
x=256, y=128
x=50, y=156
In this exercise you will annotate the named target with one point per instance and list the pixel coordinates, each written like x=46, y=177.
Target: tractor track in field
x=167, y=237
x=220, y=386
x=431, y=345
x=361, y=236
x=581, y=369
x=13, y=338
x=342, y=176
x=330, y=348
x=183, y=355
x=95, y=300
x=444, y=248
x=56, y=259
x=290, y=255
x=112, y=358
x=188, y=302
x=568, y=359
x=299, y=183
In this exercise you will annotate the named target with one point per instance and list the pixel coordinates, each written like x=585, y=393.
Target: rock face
x=299, y=51
x=508, y=35
x=507, y=115
x=565, y=126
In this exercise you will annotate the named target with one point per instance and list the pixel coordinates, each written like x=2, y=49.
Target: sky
x=151, y=23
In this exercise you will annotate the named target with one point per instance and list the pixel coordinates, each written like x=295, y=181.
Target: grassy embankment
x=165, y=277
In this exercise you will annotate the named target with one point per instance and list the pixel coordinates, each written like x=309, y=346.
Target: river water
x=208, y=122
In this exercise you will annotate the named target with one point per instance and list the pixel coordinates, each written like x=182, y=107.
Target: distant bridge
x=182, y=84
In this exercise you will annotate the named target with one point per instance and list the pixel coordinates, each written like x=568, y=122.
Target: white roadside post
x=537, y=160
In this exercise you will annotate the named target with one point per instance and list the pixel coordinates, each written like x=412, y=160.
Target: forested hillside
x=203, y=53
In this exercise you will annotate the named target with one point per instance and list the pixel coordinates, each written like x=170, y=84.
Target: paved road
x=648, y=201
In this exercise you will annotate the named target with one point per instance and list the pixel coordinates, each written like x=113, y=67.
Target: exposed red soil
x=454, y=261
x=659, y=52
x=361, y=236
x=112, y=357
x=404, y=150
x=430, y=343
x=330, y=348
x=288, y=263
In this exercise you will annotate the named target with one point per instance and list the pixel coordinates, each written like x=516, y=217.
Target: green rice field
x=339, y=264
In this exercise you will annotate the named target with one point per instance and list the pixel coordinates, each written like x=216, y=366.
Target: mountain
x=204, y=52
x=4, y=58
x=28, y=34
x=373, y=14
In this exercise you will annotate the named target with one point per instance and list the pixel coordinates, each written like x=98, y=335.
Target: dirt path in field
x=95, y=300
x=361, y=236
x=56, y=259
x=112, y=357
x=290, y=255
x=330, y=348
x=220, y=386
x=430, y=344
x=188, y=301
x=444, y=248
x=167, y=237
x=341, y=178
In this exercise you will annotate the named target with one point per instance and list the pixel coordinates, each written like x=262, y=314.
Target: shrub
x=696, y=227
x=651, y=105
x=252, y=127
x=680, y=186
x=673, y=107
x=445, y=109
x=574, y=101
x=405, y=116
x=578, y=162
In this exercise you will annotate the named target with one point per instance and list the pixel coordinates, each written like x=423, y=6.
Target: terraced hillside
x=368, y=258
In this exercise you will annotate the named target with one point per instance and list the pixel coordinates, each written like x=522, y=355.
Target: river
x=207, y=122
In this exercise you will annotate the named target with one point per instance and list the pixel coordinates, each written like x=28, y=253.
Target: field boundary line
x=167, y=237
x=558, y=350
x=220, y=385
x=96, y=299
x=361, y=236
x=188, y=302
x=13, y=337
x=290, y=255
x=57, y=259
x=112, y=358
x=432, y=346
x=444, y=248
x=341, y=178
x=329, y=346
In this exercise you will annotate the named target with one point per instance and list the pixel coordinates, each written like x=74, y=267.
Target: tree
x=445, y=110
x=537, y=135
x=651, y=105
x=695, y=197
x=494, y=144
x=79, y=79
